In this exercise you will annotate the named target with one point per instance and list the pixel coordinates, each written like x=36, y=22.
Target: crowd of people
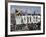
x=24, y=26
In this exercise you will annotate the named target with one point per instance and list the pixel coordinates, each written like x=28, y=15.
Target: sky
x=28, y=9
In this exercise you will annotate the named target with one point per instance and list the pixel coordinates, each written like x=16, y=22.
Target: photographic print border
x=6, y=17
